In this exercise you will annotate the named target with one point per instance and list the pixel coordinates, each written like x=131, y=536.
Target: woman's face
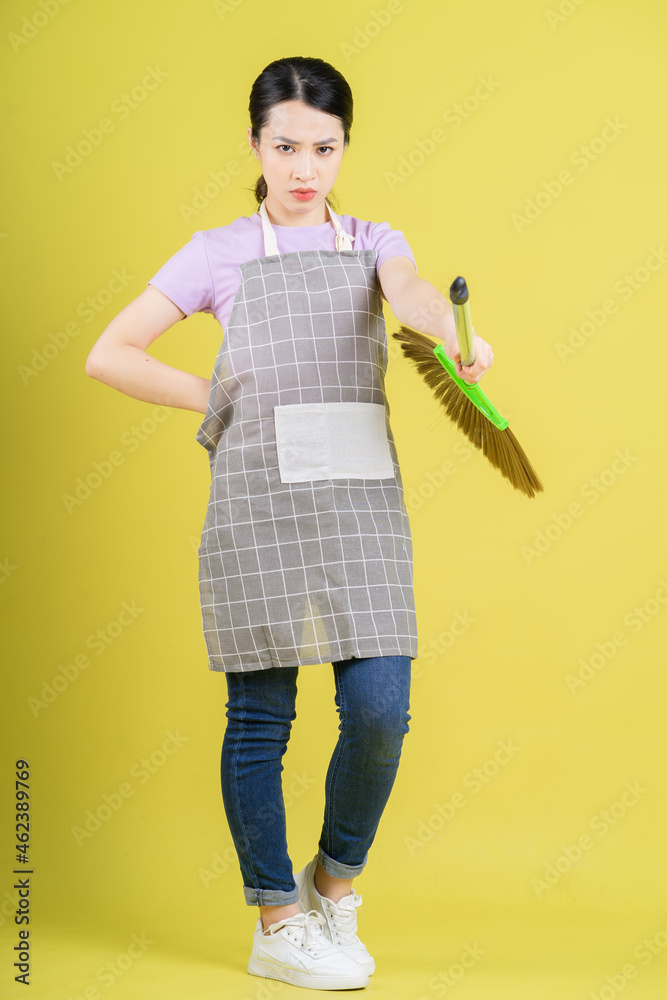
x=299, y=147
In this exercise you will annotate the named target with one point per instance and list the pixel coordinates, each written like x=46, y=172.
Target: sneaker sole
x=258, y=968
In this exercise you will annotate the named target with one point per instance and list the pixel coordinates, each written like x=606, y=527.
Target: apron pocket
x=332, y=441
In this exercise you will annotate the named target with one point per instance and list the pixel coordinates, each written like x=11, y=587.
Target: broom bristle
x=501, y=448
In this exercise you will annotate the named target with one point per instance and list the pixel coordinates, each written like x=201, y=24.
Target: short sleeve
x=186, y=277
x=390, y=243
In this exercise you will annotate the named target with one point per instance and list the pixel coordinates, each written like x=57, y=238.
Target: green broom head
x=470, y=410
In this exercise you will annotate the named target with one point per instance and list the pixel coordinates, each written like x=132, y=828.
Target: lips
x=303, y=190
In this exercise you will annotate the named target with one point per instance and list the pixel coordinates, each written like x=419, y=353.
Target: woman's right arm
x=119, y=357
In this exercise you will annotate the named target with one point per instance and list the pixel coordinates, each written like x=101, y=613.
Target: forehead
x=297, y=120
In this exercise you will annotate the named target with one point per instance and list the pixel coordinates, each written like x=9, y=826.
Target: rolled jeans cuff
x=337, y=869
x=269, y=897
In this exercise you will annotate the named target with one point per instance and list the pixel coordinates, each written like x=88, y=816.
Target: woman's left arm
x=417, y=303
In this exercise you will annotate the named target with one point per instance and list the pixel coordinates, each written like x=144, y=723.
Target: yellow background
x=545, y=592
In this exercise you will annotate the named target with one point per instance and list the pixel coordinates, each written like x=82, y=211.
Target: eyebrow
x=295, y=142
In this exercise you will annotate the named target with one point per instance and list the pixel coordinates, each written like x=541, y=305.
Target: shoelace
x=343, y=914
x=309, y=929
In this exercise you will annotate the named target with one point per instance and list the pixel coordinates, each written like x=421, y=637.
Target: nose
x=303, y=169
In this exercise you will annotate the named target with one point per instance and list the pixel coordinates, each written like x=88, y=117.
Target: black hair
x=299, y=78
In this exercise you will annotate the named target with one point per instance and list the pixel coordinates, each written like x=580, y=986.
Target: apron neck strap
x=343, y=239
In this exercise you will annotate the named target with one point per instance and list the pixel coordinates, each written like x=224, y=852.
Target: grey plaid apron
x=306, y=550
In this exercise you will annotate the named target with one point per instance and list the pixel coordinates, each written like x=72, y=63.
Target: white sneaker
x=295, y=950
x=340, y=918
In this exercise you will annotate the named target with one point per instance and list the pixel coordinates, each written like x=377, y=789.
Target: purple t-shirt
x=204, y=275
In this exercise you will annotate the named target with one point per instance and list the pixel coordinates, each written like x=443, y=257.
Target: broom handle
x=458, y=293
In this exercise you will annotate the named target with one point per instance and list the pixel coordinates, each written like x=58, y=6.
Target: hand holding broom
x=465, y=404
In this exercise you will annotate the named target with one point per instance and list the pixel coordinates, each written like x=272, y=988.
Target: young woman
x=306, y=551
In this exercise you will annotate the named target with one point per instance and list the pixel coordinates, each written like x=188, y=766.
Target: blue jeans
x=372, y=700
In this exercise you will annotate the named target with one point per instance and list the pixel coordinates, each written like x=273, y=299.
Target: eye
x=285, y=145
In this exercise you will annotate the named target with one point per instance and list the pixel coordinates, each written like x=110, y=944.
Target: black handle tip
x=458, y=291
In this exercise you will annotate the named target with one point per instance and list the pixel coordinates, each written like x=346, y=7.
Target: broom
x=466, y=405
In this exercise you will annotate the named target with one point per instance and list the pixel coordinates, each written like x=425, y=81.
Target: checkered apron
x=306, y=550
